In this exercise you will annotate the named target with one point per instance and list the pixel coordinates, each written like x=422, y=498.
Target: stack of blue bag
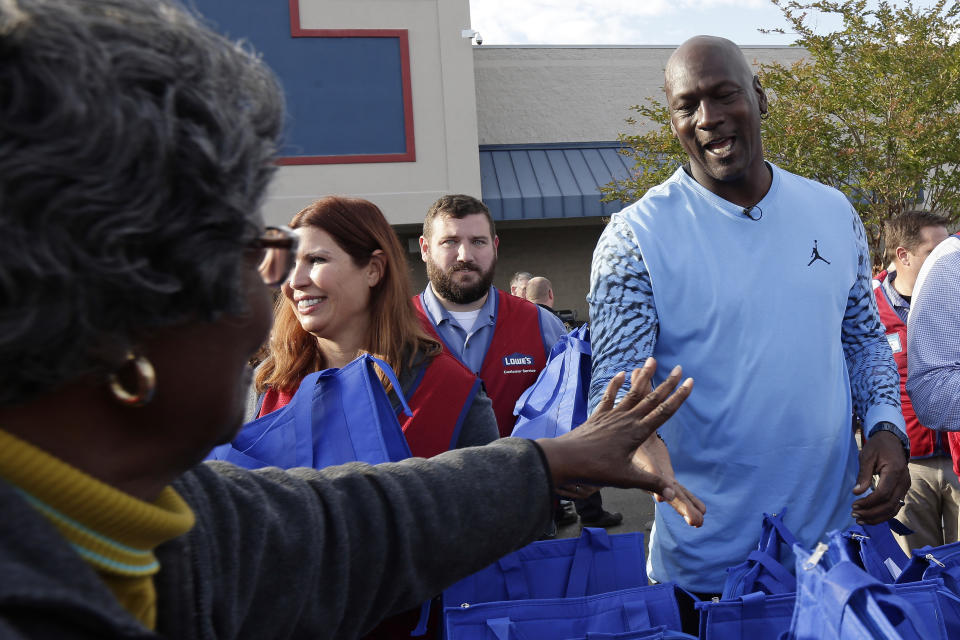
x=856, y=585
x=594, y=586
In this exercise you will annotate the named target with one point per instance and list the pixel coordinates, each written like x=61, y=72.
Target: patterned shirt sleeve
x=874, y=380
x=934, y=351
x=623, y=318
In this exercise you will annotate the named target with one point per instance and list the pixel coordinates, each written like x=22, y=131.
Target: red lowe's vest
x=923, y=441
x=514, y=358
x=439, y=400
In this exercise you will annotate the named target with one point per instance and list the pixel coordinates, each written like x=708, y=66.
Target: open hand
x=654, y=457
x=882, y=455
x=603, y=451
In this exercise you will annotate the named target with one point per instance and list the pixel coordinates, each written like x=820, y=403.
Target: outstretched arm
x=351, y=544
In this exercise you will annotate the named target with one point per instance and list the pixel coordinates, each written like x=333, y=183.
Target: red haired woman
x=348, y=294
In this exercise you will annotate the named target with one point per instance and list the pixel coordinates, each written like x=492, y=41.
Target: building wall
x=537, y=94
x=444, y=113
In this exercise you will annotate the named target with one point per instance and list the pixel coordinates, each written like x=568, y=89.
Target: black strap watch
x=895, y=430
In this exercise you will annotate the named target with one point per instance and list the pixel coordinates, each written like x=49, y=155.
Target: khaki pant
x=932, y=505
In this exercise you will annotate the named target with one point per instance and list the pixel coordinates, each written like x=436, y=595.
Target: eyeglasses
x=276, y=250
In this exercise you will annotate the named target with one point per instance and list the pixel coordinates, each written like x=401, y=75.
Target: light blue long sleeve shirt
x=933, y=339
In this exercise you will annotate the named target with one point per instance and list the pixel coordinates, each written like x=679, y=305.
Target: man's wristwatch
x=895, y=430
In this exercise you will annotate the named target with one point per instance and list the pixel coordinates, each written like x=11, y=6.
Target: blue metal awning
x=524, y=182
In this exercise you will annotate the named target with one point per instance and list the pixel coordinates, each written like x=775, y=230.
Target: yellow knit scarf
x=112, y=531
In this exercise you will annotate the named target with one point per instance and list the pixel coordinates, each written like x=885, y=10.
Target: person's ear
x=376, y=267
x=903, y=256
x=424, y=248
x=496, y=243
x=673, y=129
x=761, y=97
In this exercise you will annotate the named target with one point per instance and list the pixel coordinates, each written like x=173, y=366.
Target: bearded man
x=505, y=340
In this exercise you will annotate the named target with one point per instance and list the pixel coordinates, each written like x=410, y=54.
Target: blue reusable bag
x=837, y=600
x=943, y=564
x=557, y=401
x=764, y=570
x=635, y=609
x=873, y=548
x=336, y=416
x=934, y=562
x=656, y=633
x=751, y=616
x=596, y=562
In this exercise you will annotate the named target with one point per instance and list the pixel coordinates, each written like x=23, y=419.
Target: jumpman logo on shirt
x=815, y=255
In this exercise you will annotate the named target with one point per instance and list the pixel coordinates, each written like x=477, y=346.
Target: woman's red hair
x=395, y=335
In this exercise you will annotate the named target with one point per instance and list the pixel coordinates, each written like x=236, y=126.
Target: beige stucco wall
x=542, y=94
x=444, y=107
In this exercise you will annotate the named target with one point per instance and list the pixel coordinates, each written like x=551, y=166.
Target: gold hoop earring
x=146, y=382
x=764, y=115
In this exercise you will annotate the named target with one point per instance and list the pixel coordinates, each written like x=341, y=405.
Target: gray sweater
x=298, y=554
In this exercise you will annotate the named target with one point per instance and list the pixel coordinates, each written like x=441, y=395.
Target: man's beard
x=445, y=287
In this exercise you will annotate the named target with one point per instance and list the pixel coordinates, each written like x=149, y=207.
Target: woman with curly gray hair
x=135, y=148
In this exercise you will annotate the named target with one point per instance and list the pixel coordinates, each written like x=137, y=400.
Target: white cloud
x=595, y=21
x=635, y=21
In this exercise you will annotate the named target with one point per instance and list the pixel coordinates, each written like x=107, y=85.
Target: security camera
x=471, y=34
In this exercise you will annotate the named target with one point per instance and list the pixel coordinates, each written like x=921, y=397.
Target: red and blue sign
x=348, y=91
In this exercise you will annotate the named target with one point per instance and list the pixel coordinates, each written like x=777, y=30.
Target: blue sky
x=660, y=22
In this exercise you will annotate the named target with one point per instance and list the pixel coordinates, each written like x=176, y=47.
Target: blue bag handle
x=592, y=539
x=387, y=371
x=636, y=615
x=783, y=580
x=753, y=604
x=392, y=377
x=763, y=568
x=505, y=629
x=302, y=407
x=883, y=546
x=569, y=346
x=371, y=445
x=772, y=527
x=513, y=578
x=549, y=378
x=847, y=581
x=501, y=628
x=875, y=545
